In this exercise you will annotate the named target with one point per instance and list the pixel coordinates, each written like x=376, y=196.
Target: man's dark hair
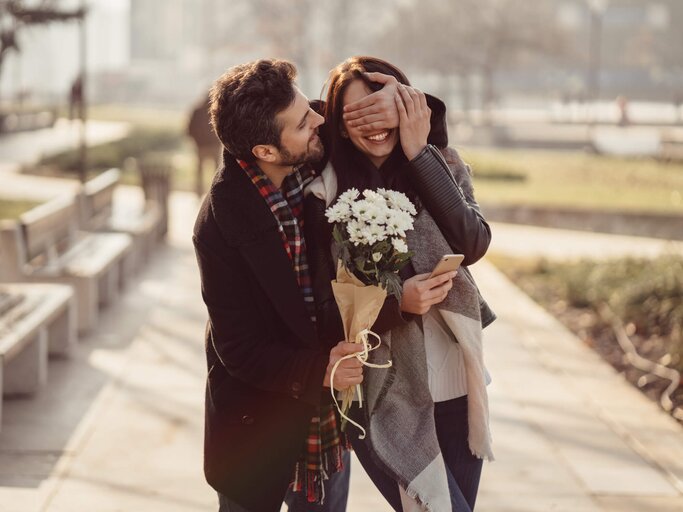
x=244, y=102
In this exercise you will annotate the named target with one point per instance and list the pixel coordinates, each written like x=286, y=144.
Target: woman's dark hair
x=350, y=165
x=244, y=102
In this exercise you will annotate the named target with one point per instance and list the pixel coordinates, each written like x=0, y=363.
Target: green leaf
x=382, y=247
x=337, y=234
x=361, y=262
x=394, y=284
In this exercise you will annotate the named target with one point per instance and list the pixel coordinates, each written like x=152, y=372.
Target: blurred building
x=177, y=47
x=640, y=44
x=48, y=61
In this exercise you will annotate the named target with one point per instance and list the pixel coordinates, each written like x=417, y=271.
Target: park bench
x=35, y=320
x=46, y=245
x=100, y=213
x=672, y=148
x=156, y=171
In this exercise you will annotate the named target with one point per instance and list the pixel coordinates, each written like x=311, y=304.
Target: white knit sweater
x=445, y=363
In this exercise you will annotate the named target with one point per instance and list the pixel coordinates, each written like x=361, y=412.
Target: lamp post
x=83, y=145
x=597, y=10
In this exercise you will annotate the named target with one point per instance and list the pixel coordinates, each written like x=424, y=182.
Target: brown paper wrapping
x=359, y=305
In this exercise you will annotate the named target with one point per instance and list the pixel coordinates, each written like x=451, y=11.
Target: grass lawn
x=503, y=176
x=12, y=209
x=575, y=179
x=142, y=116
x=154, y=130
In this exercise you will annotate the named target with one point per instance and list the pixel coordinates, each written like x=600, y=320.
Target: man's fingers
x=361, y=112
x=343, y=371
x=351, y=363
x=344, y=348
x=352, y=348
x=380, y=78
x=367, y=119
x=342, y=384
x=378, y=125
x=368, y=101
x=344, y=377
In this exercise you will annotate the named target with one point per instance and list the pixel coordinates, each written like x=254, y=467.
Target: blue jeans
x=463, y=469
x=336, y=495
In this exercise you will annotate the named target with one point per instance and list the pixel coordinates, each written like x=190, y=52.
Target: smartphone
x=447, y=263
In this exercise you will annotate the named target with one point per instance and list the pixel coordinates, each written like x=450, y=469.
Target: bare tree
x=462, y=37
x=285, y=24
x=14, y=15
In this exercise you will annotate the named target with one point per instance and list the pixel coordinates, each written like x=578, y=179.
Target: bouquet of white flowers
x=370, y=233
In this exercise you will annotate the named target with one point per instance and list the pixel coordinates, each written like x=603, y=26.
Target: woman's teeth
x=379, y=137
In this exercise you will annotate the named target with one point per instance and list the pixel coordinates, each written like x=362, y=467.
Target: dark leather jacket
x=444, y=186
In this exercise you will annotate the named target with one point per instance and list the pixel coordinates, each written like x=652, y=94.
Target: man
x=268, y=377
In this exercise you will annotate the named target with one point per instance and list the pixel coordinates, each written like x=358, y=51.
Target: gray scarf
x=400, y=410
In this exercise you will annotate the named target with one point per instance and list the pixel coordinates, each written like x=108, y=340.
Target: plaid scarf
x=287, y=205
x=322, y=454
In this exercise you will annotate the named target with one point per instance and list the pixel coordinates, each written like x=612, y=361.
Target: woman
x=435, y=390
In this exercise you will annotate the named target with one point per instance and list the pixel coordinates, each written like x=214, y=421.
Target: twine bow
x=362, y=356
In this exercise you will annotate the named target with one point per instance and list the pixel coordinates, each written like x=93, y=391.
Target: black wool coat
x=265, y=366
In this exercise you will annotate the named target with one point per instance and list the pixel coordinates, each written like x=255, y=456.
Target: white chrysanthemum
x=340, y=212
x=400, y=200
x=399, y=244
x=375, y=233
x=349, y=196
x=368, y=212
x=385, y=216
x=359, y=209
x=373, y=197
x=357, y=232
x=399, y=222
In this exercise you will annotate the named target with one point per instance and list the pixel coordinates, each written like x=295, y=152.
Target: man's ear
x=265, y=152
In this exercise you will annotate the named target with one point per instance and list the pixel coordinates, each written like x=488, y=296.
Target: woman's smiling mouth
x=378, y=137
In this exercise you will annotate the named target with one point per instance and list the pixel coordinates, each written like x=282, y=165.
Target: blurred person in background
x=622, y=106
x=436, y=388
x=207, y=145
x=76, y=99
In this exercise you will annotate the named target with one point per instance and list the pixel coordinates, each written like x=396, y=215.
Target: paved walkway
x=24, y=148
x=563, y=244
x=119, y=428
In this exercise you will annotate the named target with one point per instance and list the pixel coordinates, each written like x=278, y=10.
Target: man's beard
x=313, y=153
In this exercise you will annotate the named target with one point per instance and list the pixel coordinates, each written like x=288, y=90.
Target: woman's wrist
x=416, y=152
x=413, y=151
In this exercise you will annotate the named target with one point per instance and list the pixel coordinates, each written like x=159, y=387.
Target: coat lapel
x=246, y=222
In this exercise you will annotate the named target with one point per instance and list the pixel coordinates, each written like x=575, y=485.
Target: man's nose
x=318, y=119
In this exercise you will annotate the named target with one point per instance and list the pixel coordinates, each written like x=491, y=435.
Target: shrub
x=647, y=293
x=112, y=154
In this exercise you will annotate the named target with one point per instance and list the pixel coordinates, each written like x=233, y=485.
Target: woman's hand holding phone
x=421, y=292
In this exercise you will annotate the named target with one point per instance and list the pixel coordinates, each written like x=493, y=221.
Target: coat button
x=247, y=420
x=296, y=387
